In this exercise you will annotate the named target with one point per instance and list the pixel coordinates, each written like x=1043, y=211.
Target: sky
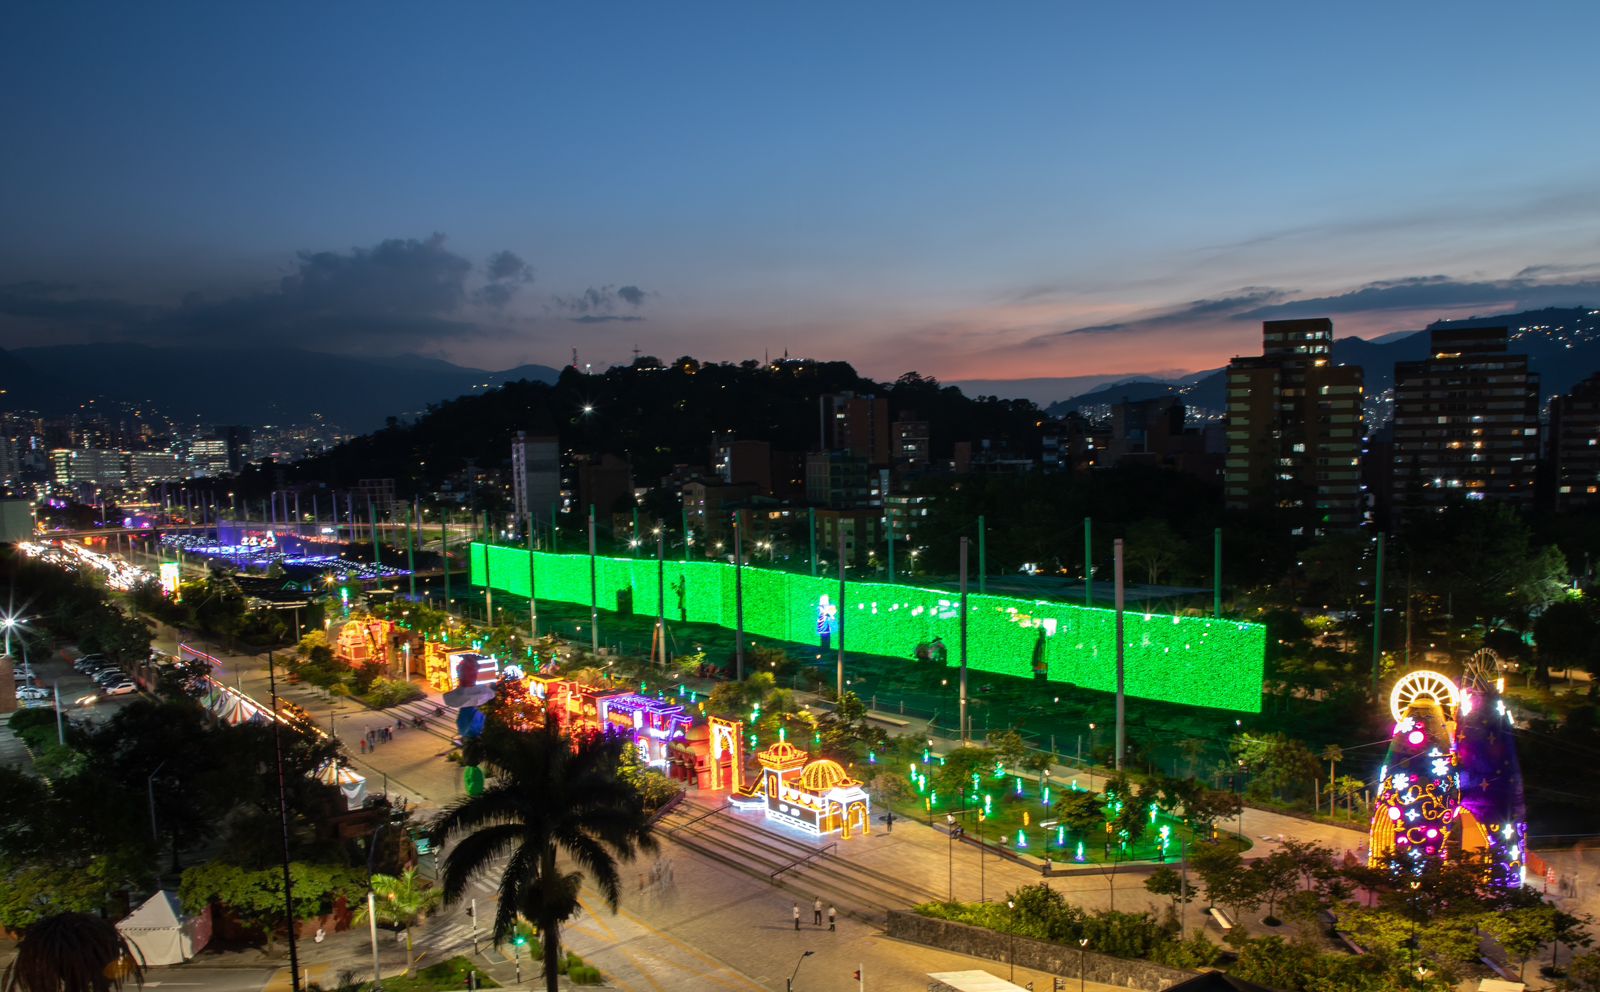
x=962, y=189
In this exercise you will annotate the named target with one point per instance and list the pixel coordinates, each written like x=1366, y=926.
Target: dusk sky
x=968, y=190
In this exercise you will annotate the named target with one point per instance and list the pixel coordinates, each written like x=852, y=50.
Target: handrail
x=819, y=852
x=713, y=811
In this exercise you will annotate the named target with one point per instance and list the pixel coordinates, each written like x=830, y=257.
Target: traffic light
x=520, y=940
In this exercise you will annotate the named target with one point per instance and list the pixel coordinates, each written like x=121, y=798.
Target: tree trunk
x=550, y=942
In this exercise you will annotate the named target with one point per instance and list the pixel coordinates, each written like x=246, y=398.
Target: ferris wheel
x=1423, y=685
x=1482, y=669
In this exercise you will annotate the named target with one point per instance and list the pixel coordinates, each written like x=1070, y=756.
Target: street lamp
x=1011, y=931
x=1083, y=952
x=788, y=983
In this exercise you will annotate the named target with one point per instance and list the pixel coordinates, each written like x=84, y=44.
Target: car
x=33, y=692
x=109, y=675
x=120, y=689
x=88, y=700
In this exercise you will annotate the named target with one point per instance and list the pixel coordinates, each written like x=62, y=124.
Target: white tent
x=158, y=931
x=353, y=786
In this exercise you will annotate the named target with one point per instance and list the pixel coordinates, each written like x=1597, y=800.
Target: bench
x=892, y=721
x=1222, y=919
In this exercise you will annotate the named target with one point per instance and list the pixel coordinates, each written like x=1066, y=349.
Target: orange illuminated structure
x=725, y=746
x=818, y=797
x=364, y=641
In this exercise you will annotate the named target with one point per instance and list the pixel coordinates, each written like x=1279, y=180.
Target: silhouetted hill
x=655, y=417
x=244, y=386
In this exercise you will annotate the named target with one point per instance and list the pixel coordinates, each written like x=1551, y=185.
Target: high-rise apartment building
x=1466, y=421
x=857, y=425
x=1294, y=427
x=1574, y=446
x=535, y=477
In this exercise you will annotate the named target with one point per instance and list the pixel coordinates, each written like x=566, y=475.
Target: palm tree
x=550, y=796
x=72, y=952
x=1332, y=754
x=401, y=902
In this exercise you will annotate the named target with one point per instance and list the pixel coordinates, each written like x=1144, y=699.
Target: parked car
x=109, y=675
x=33, y=692
x=120, y=688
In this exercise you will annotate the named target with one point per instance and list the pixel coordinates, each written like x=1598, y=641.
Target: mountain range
x=242, y=386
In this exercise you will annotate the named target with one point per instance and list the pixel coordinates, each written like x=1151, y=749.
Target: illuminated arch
x=1423, y=685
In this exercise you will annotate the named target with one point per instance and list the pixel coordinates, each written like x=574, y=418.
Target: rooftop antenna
x=574, y=358
x=636, y=354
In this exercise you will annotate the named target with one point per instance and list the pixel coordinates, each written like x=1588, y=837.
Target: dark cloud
x=507, y=273
x=49, y=305
x=506, y=265
x=603, y=318
x=1191, y=312
x=1435, y=292
x=405, y=292
x=601, y=299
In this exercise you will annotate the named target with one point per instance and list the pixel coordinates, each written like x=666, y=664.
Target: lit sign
x=171, y=574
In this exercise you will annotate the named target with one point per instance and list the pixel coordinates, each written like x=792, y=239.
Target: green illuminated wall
x=1195, y=661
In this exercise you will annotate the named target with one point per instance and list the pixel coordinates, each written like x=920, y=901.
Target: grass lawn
x=444, y=976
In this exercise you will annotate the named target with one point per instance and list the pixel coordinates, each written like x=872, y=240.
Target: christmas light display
x=818, y=797
x=1197, y=661
x=1450, y=786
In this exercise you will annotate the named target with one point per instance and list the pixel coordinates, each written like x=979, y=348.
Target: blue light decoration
x=1494, y=816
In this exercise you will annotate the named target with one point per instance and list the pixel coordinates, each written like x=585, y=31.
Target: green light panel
x=1195, y=661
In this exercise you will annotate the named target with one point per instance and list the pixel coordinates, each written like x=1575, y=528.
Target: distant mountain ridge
x=241, y=385
x=1562, y=345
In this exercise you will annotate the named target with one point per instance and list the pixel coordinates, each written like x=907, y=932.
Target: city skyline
x=1045, y=193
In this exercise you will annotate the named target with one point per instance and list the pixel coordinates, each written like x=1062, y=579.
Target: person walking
x=832, y=914
x=796, y=915
x=816, y=912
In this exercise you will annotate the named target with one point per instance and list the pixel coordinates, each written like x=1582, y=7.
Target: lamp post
x=1083, y=952
x=1011, y=931
x=788, y=983
x=372, y=928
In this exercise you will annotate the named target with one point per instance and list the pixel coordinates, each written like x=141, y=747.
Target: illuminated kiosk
x=441, y=666
x=654, y=724
x=1449, y=786
x=818, y=796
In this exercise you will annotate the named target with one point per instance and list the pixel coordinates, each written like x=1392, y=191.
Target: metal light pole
x=1088, y=562
x=963, y=622
x=738, y=596
x=1011, y=955
x=1377, y=619
x=1121, y=698
x=889, y=519
x=594, y=591
x=372, y=929
x=1216, y=571
x=839, y=690
x=811, y=513
x=788, y=983
x=533, y=602
x=1083, y=952
x=488, y=584
x=983, y=558
x=150, y=791
x=283, y=819
x=661, y=593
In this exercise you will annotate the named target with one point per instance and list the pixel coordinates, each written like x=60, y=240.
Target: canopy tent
x=158, y=932
x=232, y=706
x=353, y=786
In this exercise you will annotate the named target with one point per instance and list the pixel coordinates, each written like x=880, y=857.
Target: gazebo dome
x=822, y=775
x=782, y=755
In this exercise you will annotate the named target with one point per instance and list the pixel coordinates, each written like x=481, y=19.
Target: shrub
x=385, y=692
